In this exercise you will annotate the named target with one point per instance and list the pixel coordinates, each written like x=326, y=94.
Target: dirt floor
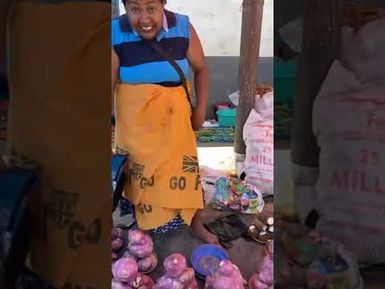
x=374, y=280
x=244, y=253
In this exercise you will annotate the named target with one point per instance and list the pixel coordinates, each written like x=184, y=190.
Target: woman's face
x=145, y=16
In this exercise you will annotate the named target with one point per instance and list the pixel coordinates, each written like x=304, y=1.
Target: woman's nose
x=144, y=17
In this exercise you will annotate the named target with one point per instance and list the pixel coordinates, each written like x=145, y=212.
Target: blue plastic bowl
x=206, y=258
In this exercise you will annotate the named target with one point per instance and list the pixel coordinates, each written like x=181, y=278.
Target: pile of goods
x=308, y=260
x=133, y=257
x=126, y=275
x=227, y=276
x=262, y=232
x=137, y=258
x=264, y=278
x=117, y=242
x=178, y=275
x=218, y=135
x=233, y=194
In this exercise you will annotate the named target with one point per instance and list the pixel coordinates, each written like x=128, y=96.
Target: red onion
x=188, y=276
x=125, y=270
x=266, y=273
x=178, y=275
x=119, y=285
x=270, y=247
x=192, y=285
x=127, y=254
x=147, y=263
x=117, y=244
x=146, y=282
x=175, y=265
x=141, y=251
x=140, y=245
x=168, y=283
x=136, y=237
x=256, y=284
x=116, y=233
x=228, y=276
x=114, y=256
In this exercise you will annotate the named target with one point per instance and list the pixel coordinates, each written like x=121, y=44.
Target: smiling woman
x=145, y=18
x=153, y=51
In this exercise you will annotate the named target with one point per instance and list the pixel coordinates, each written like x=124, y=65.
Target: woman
x=154, y=120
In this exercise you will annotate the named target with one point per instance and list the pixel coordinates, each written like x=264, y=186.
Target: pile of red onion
x=137, y=259
x=178, y=275
x=117, y=242
x=264, y=279
x=227, y=276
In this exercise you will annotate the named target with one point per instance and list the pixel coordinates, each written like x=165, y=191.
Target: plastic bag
x=234, y=195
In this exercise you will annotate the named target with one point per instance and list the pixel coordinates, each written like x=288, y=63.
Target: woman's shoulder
x=121, y=30
x=178, y=21
x=175, y=17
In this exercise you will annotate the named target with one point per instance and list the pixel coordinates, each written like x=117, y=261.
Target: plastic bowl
x=206, y=258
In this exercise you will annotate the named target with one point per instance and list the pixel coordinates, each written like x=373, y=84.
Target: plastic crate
x=285, y=81
x=227, y=117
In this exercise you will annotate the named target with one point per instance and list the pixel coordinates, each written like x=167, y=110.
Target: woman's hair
x=163, y=1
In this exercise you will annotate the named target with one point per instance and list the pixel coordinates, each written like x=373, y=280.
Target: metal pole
x=248, y=68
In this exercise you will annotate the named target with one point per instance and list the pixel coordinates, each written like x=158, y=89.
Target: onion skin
x=266, y=273
x=117, y=244
x=178, y=275
x=146, y=282
x=168, y=283
x=228, y=276
x=175, y=265
x=125, y=270
x=116, y=233
x=119, y=285
x=147, y=263
x=114, y=256
x=140, y=245
x=256, y=284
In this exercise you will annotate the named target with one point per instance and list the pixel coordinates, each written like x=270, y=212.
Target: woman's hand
x=198, y=117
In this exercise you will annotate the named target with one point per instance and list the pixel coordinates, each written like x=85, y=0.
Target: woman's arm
x=114, y=75
x=197, y=62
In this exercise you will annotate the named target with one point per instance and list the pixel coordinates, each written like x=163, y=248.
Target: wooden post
x=321, y=43
x=248, y=67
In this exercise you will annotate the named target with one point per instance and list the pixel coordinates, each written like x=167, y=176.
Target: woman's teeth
x=146, y=28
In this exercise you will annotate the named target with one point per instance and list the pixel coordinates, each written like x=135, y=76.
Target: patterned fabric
x=217, y=134
x=170, y=226
x=127, y=208
x=147, y=66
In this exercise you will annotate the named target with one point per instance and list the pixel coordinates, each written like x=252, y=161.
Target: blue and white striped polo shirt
x=139, y=64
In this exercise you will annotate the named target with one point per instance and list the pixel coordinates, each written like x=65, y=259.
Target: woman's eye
x=135, y=10
x=151, y=10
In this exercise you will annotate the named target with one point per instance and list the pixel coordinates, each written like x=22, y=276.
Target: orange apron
x=61, y=119
x=153, y=126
